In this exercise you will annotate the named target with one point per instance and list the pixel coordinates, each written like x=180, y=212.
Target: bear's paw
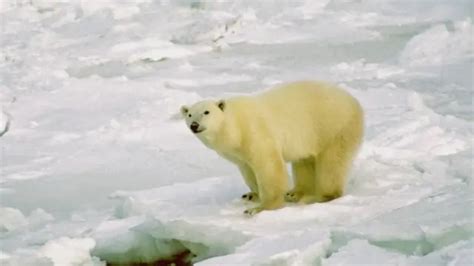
x=293, y=196
x=251, y=196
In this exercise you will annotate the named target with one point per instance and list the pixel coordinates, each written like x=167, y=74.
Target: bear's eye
x=206, y=112
x=189, y=115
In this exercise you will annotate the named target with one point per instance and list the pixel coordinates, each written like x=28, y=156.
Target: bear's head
x=204, y=118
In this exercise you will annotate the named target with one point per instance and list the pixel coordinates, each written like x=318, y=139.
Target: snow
x=437, y=45
x=61, y=251
x=96, y=167
x=13, y=219
x=67, y=251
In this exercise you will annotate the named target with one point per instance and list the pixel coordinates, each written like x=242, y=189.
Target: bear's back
x=299, y=111
x=306, y=100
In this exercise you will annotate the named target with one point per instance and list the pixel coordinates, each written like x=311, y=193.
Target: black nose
x=194, y=127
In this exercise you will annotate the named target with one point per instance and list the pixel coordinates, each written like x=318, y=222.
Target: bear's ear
x=184, y=110
x=221, y=104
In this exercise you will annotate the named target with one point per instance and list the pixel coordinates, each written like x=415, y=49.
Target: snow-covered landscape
x=96, y=168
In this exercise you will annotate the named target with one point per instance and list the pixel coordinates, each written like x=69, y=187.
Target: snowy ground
x=94, y=168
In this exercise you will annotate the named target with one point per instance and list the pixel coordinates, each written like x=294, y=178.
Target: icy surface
x=95, y=167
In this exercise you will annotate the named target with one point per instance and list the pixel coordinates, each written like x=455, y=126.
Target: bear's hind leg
x=304, y=178
x=331, y=170
x=334, y=163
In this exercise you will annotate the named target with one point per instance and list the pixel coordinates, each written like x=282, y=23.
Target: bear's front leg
x=250, y=180
x=272, y=180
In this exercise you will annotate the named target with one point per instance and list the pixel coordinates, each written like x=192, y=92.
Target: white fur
x=316, y=126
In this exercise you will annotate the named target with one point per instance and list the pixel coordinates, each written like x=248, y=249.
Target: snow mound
x=362, y=252
x=153, y=50
x=13, y=219
x=69, y=252
x=203, y=222
x=361, y=69
x=159, y=223
x=306, y=247
x=417, y=229
x=63, y=251
x=205, y=219
x=438, y=45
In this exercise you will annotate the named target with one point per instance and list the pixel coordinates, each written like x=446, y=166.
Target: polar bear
x=314, y=125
